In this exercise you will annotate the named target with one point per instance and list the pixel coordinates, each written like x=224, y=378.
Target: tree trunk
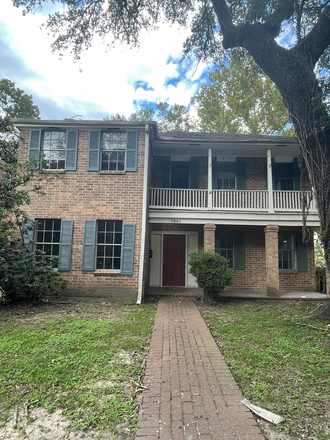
x=292, y=71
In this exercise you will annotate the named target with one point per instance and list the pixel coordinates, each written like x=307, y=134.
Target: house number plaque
x=175, y=220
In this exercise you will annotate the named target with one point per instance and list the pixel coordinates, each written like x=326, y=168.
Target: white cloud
x=107, y=79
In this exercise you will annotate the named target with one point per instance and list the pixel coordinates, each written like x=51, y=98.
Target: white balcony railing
x=178, y=198
x=240, y=200
x=293, y=201
x=222, y=200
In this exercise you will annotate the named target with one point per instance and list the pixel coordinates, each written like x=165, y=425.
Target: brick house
x=130, y=204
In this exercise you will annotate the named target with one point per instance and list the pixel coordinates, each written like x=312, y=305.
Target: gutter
x=144, y=213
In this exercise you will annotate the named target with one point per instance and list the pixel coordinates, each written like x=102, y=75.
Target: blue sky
x=104, y=82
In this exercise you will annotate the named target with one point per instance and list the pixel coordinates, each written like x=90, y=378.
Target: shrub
x=211, y=272
x=23, y=276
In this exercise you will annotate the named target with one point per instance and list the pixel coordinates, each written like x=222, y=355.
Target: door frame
x=159, y=257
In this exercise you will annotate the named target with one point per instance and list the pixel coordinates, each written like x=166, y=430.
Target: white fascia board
x=233, y=218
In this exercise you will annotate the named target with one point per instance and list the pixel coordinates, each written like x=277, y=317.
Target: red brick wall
x=254, y=275
x=256, y=173
x=81, y=195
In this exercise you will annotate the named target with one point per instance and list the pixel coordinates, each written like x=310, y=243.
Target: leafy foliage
x=174, y=117
x=24, y=275
x=14, y=103
x=211, y=272
x=241, y=99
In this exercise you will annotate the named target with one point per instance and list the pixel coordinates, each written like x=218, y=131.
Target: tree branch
x=317, y=40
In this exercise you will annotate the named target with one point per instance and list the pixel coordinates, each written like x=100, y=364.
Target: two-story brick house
x=130, y=204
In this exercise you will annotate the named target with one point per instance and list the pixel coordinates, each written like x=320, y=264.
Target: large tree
x=241, y=99
x=14, y=103
x=169, y=117
x=219, y=25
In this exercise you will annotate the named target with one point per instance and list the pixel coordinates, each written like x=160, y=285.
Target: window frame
x=292, y=239
x=40, y=245
x=117, y=151
x=105, y=245
x=36, y=143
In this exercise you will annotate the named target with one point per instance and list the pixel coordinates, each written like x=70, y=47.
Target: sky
x=117, y=81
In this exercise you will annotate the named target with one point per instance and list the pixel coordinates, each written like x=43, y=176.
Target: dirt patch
x=40, y=425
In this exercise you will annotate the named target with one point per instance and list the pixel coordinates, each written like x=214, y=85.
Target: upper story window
x=226, y=176
x=113, y=151
x=54, y=149
x=229, y=175
x=286, y=176
x=179, y=174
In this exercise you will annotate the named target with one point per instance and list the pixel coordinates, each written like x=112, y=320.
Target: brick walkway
x=192, y=394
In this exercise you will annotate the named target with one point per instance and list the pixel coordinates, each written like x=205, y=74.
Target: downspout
x=144, y=213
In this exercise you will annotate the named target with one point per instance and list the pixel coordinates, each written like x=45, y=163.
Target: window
x=230, y=244
x=226, y=176
x=57, y=149
x=53, y=150
x=292, y=252
x=286, y=176
x=109, y=241
x=224, y=245
x=179, y=174
x=229, y=175
x=108, y=245
x=286, y=250
x=48, y=233
x=113, y=151
x=51, y=236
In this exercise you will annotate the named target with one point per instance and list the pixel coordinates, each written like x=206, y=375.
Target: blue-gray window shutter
x=127, y=251
x=27, y=234
x=34, y=146
x=71, y=150
x=239, y=250
x=301, y=254
x=64, y=260
x=131, y=150
x=296, y=176
x=88, y=258
x=240, y=174
x=194, y=174
x=94, y=151
x=165, y=171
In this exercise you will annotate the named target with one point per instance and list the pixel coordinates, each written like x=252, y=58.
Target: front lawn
x=84, y=360
x=277, y=357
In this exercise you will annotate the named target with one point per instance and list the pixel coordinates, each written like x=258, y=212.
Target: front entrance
x=174, y=260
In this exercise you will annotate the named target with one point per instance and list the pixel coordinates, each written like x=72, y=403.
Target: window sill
x=288, y=271
x=106, y=273
x=112, y=172
x=54, y=171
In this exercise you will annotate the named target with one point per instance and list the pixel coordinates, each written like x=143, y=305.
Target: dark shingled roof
x=197, y=136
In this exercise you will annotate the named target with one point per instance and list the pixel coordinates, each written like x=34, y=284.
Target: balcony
x=231, y=200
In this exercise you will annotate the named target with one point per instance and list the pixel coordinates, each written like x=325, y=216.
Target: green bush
x=25, y=276
x=211, y=272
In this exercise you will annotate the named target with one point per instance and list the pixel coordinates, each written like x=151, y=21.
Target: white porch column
x=270, y=182
x=209, y=180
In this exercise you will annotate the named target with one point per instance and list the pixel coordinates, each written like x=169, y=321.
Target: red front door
x=174, y=260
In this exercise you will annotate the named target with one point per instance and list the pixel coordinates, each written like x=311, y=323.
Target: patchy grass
x=80, y=358
x=277, y=357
